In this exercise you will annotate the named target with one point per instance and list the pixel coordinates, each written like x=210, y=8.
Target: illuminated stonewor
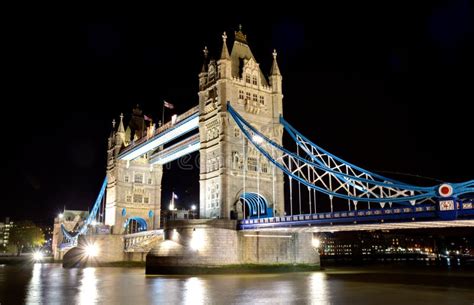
x=236, y=181
x=229, y=167
x=237, y=128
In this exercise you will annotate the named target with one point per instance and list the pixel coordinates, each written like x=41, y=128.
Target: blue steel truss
x=321, y=171
x=71, y=237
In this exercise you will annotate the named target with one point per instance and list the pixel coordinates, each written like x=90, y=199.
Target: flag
x=175, y=196
x=147, y=118
x=168, y=105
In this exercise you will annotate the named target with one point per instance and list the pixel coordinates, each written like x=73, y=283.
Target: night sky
x=384, y=87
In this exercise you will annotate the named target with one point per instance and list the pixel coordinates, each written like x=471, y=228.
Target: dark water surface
x=51, y=284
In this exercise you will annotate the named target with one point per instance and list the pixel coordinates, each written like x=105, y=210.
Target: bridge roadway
x=409, y=217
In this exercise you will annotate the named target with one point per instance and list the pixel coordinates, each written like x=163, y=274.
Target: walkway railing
x=141, y=241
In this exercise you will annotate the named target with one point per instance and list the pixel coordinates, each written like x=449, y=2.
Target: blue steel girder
x=356, y=184
x=72, y=236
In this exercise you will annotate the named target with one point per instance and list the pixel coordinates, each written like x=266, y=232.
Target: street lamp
x=61, y=215
x=193, y=207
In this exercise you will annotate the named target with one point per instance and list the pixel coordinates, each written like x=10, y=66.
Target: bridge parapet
x=141, y=241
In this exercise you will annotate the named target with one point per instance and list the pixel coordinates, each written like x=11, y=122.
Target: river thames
x=51, y=284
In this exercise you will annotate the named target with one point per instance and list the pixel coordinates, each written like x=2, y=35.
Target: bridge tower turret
x=133, y=199
x=230, y=166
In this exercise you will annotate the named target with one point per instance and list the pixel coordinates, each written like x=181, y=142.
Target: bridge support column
x=196, y=246
x=110, y=249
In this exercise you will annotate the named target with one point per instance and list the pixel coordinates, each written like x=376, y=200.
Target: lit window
x=138, y=178
x=241, y=94
x=252, y=164
x=137, y=198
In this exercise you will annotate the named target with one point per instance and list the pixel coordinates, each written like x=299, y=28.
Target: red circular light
x=445, y=190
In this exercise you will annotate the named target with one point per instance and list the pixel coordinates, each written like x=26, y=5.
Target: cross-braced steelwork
x=321, y=171
x=94, y=217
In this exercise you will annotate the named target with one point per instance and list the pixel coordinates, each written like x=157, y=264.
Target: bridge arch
x=134, y=225
x=256, y=205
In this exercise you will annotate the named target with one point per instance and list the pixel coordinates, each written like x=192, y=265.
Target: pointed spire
x=275, y=70
x=120, y=128
x=240, y=36
x=225, y=52
x=204, y=64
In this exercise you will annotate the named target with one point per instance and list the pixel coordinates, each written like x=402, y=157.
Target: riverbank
x=23, y=259
x=233, y=269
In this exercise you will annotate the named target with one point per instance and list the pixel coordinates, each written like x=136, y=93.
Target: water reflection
x=88, y=287
x=318, y=290
x=34, y=286
x=51, y=284
x=194, y=291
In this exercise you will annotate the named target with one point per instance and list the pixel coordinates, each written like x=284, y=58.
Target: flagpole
x=163, y=115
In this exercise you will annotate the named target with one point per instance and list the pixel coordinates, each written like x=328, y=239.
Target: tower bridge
x=238, y=128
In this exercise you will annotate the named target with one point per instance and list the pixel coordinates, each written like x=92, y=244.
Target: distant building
x=375, y=244
x=5, y=228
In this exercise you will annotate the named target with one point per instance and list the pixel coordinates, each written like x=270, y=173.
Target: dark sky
x=387, y=87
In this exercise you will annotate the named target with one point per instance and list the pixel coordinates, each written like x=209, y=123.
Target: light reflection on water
x=88, y=287
x=194, y=291
x=51, y=284
x=317, y=288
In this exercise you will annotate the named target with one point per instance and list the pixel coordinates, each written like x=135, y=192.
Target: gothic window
x=138, y=198
x=252, y=164
x=247, y=78
x=247, y=96
x=146, y=200
x=235, y=160
x=264, y=167
x=255, y=98
x=138, y=178
x=241, y=94
x=236, y=132
x=128, y=198
x=149, y=181
x=262, y=100
x=254, y=80
x=126, y=178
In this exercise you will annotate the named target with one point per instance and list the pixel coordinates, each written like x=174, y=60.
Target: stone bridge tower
x=231, y=166
x=133, y=199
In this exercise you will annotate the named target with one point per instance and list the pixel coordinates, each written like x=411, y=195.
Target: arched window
x=247, y=78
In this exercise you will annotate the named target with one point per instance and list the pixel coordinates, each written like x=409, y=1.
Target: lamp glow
x=94, y=223
x=91, y=250
x=316, y=242
x=61, y=215
x=257, y=139
x=197, y=239
x=38, y=255
x=193, y=207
